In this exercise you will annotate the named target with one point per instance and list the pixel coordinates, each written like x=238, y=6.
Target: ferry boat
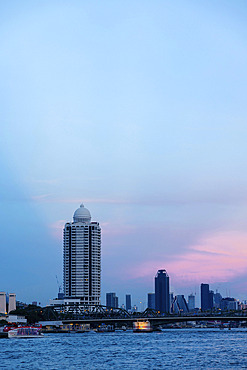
x=9, y=327
x=142, y=327
x=25, y=332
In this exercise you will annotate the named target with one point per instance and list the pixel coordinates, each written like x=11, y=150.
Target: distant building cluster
x=82, y=276
x=214, y=301
x=163, y=301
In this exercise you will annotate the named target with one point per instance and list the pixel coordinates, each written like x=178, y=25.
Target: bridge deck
x=157, y=320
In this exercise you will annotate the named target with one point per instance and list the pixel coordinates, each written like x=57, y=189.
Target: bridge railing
x=75, y=311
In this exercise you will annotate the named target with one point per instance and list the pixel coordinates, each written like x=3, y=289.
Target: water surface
x=174, y=348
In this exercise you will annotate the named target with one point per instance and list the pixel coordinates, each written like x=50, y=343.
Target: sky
x=138, y=110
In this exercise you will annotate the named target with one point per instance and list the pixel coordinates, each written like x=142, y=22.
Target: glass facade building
x=207, y=298
x=111, y=300
x=162, y=296
x=128, y=302
x=151, y=300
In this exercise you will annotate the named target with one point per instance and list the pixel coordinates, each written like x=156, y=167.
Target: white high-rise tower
x=82, y=258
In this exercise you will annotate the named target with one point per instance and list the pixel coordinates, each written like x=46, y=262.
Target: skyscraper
x=191, y=302
x=3, y=308
x=162, y=297
x=111, y=300
x=7, y=302
x=128, y=302
x=151, y=300
x=12, y=302
x=82, y=258
x=217, y=299
x=179, y=304
x=206, y=297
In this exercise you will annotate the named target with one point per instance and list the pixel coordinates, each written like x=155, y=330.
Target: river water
x=171, y=348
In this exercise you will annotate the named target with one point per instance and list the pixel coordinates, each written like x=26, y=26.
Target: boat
x=25, y=332
x=105, y=329
x=9, y=327
x=142, y=327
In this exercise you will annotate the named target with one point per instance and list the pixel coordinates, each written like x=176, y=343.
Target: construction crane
x=59, y=285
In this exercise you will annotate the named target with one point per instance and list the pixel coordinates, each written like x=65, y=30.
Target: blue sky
x=138, y=109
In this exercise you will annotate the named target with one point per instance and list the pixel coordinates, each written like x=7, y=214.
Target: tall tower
x=12, y=302
x=82, y=258
x=162, y=296
x=128, y=302
x=3, y=302
x=191, y=302
x=205, y=297
x=151, y=300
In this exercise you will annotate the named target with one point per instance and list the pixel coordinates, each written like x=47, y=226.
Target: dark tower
x=162, y=298
x=128, y=302
x=111, y=300
x=206, y=297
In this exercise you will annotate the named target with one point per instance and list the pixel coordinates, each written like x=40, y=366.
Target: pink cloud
x=220, y=257
x=57, y=229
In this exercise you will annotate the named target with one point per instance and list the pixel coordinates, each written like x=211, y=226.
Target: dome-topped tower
x=82, y=258
x=82, y=214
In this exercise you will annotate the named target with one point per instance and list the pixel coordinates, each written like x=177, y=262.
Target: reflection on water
x=178, y=348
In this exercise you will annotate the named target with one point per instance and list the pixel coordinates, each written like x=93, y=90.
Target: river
x=171, y=348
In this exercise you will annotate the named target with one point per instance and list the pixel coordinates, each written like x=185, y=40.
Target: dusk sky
x=138, y=110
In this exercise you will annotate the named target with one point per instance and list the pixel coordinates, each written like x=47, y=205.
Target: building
x=21, y=305
x=12, y=302
x=217, y=300
x=3, y=303
x=207, y=298
x=191, y=302
x=7, y=302
x=82, y=258
x=65, y=301
x=228, y=304
x=211, y=299
x=162, y=297
x=128, y=302
x=179, y=304
x=111, y=300
x=16, y=319
x=151, y=300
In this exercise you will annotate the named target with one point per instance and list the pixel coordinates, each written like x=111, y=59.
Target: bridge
x=95, y=315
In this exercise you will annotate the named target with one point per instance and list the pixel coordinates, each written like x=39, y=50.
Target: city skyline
x=138, y=111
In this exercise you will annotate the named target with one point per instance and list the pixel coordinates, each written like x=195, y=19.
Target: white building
x=82, y=258
x=16, y=318
x=3, y=306
x=64, y=301
x=12, y=302
x=7, y=302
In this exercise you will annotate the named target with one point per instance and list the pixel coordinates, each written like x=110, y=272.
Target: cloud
x=40, y=198
x=57, y=229
x=49, y=198
x=219, y=257
x=46, y=181
x=161, y=200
